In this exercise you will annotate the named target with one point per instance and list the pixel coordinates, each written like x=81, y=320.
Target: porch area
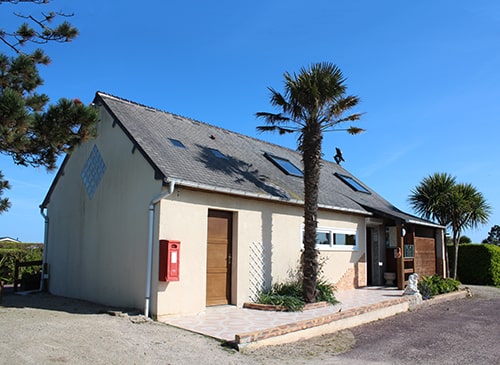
x=242, y=327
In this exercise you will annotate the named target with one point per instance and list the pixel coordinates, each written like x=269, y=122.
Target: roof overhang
x=403, y=217
x=251, y=195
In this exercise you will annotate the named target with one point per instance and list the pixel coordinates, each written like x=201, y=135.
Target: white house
x=228, y=206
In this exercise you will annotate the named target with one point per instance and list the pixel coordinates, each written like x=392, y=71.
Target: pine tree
x=33, y=132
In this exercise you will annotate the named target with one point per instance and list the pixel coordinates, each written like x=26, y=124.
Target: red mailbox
x=169, y=260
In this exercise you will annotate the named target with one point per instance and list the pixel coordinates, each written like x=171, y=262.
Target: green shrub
x=289, y=295
x=291, y=303
x=326, y=292
x=430, y=286
x=291, y=288
x=478, y=264
x=10, y=252
x=31, y=280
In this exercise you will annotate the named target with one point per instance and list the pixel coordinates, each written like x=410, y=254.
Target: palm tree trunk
x=456, y=242
x=312, y=165
x=447, y=259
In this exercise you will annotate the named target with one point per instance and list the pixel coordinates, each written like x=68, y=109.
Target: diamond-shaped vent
x=93, y=171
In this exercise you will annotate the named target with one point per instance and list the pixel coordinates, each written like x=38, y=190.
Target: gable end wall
x=97, y=248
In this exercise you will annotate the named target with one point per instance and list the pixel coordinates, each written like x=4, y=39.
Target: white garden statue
x=412, y=287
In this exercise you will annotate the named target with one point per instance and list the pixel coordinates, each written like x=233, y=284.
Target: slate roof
x=245, y=170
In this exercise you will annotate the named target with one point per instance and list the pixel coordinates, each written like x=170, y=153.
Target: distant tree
x=493, y=236
x=465, y=239
x=456, y=206
x=32, y=132
x=314, y=102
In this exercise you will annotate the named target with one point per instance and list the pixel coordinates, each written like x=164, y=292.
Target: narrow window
x=331, y=239
x=343, y=239
x=323, y=239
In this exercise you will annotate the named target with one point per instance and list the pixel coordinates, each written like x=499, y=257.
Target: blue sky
x=427, y=73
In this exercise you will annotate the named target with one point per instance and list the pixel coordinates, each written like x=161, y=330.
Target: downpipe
x=152, y=204
x=44, y=277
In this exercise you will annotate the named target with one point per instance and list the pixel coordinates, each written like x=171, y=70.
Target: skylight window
x=284, y=165
x=218, y=153
x=177, y=143
x=352, y=183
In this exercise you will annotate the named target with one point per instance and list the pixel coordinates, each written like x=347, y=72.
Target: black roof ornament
x=338, y=157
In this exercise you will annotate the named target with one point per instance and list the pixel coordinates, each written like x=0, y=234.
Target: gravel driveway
x=44, y=329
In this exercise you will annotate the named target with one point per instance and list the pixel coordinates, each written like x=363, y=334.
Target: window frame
x=331, y=231
x=353, y=183
x=284, y=165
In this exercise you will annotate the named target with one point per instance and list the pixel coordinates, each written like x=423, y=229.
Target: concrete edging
x=461, y=294
x=280, y=308
x=339, y=321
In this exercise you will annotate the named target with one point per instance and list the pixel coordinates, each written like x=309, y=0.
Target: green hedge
x=10, y=252
x=477, y=264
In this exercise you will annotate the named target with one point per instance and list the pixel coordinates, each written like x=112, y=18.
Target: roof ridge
x=101, y=93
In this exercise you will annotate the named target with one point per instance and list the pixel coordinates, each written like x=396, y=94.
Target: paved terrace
x=249, y=327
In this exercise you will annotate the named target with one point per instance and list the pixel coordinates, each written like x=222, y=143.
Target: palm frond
x=272, y=118
x=312, y=100
x=355, y=130
x=331, y=125
x=277, y=99
x=338, y=107
x=275, y=128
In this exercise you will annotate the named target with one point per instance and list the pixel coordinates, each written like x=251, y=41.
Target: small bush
x=30, y=281
x=430, y=286
x=291, y=288
x=289, y=295
x=326, y=292
x=291, y=303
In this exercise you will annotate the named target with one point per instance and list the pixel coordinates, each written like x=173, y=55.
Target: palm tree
x=430, y=198
x=430, y=201
x=456, y=206
x=314, y=101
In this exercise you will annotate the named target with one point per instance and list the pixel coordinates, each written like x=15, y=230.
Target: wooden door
x=219, y=251
x=425, y=256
